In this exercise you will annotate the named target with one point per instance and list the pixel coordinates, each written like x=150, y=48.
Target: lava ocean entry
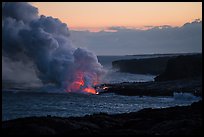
x=41, y=47
x=83, y=83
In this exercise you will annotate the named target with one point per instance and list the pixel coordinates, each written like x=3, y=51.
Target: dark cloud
x=41, y=48
x=19, y=11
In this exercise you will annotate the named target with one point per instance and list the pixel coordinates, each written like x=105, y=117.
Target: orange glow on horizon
x=99, y=15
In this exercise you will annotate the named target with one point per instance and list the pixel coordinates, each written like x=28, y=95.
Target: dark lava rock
x=163, y=88
x=181, y=67
x=142, y=66
x=179, y=120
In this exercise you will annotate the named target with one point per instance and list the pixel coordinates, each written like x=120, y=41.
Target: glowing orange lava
x=90, y=90
x=79, y=85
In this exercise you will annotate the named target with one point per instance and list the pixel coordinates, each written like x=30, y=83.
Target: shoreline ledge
x=155, y=88
x=181, y=73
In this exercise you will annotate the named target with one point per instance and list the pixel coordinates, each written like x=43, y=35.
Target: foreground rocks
x=162, y=88
x=185, y=120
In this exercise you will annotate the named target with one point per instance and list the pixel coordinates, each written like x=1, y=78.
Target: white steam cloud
x=38, y=48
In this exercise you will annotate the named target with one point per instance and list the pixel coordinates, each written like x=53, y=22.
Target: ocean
x=20, y=102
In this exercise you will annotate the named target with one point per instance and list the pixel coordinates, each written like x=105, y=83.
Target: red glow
x=90, y=90
x=95, y=83
x=79, y=85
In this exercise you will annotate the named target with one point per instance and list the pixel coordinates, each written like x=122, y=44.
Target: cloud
x=19, y=11
x=19, y=71
x=157, y=39
x=39, y=48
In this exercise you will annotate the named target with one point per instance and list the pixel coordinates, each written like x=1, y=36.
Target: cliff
x=182, y=67
x=152, y=66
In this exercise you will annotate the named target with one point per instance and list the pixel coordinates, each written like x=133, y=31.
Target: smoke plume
x=40, y=47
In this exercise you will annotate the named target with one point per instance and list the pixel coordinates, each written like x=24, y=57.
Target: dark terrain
x=182, y=67
x=178, y=120
x=161, y=88
x=158, y=65
x=177, y=74
x=152, y=66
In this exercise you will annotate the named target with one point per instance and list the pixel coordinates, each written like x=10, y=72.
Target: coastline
x=178, y=120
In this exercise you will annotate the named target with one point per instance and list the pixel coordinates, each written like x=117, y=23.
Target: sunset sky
x=100, y=15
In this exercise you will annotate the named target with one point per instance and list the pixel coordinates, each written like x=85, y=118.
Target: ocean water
x=25, y=104
x=19, y=101
x=114, y=76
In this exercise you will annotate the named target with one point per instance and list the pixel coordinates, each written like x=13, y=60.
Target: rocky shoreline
x=161, y=88
x=178, y=65
x=152, y=66
x=178, y=120
x=176, y=74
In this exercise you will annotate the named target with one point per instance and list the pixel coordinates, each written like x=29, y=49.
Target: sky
x=127, y=28
x=42, y=48
x=157, y=40
x=95, y=16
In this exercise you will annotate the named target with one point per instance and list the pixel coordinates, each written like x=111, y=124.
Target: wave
x=185, y=96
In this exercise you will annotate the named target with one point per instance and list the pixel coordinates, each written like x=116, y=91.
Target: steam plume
x=45, y=43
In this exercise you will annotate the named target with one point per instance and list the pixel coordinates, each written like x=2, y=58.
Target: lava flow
x=83, y=83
